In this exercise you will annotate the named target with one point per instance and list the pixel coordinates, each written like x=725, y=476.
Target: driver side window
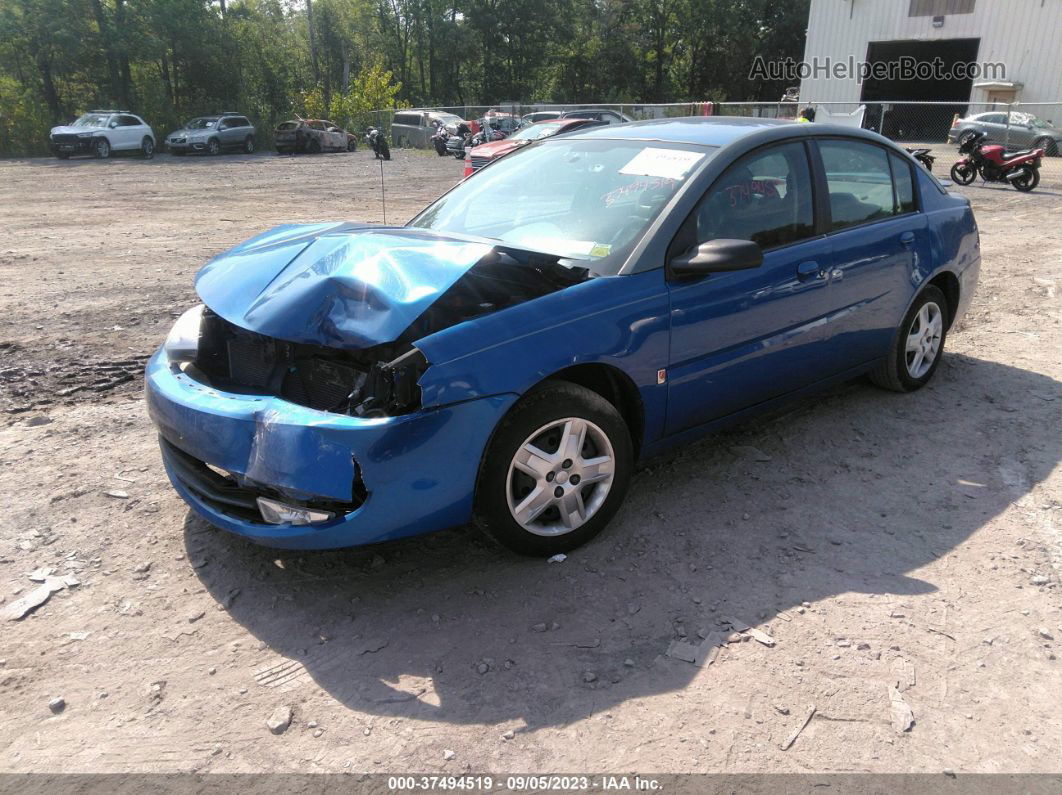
x=765, y=197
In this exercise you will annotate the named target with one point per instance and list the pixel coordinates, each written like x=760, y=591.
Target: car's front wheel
x=213, y=146
x=919, y=344
x=103, y=148
x=556, y=471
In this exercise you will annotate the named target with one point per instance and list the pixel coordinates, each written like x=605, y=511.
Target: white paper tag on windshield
x=664, y=163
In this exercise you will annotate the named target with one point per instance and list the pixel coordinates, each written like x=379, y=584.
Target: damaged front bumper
x=381, y=478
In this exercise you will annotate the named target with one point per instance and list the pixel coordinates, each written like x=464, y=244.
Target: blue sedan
x=511, y=353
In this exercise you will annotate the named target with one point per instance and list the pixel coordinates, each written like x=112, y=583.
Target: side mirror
x=716, y=256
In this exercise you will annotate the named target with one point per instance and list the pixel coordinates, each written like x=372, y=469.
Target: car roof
x=703, y=130
x=718, y=131
x=562, y=122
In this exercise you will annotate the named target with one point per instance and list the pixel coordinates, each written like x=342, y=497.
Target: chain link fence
x=937, y=126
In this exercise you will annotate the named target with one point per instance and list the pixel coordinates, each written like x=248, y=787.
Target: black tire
x=147, y=148
x=102, y=148
x=963, y=173
x=554, y=401
x=352, y=144
x=249, y=145
x=893, y=372
x=213, y=147
x=1027, y=181
x=314, y=147
x=1049, y=145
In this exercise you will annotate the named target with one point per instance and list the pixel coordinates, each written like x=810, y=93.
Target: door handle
x=907, y=238
x=810, y=270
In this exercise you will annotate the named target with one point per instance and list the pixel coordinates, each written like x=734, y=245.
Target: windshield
x=92, y=120
x=579, y=199
x=201, y=123
x=536, y=131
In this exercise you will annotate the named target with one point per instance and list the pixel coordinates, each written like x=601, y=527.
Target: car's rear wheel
x=1049, y=146
x=919, y=344
x=249, y=145
x=147, y=148
x=556, y=470
x=103, y=148
x=314, y=147
x=213, y=146
x=352, y=144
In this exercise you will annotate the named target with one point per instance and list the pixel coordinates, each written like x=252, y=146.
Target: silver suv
x=415, y=127
x=212, y=134
x=101, y=132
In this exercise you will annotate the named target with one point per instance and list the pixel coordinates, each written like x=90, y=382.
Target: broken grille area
x=225, y=494
x=239, y=360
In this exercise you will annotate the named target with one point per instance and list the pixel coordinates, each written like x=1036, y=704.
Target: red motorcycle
x=1020, y=169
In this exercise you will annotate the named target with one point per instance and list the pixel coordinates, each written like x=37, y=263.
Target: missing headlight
x=390, y=387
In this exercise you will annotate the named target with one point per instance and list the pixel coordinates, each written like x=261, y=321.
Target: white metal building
x=1024, y=35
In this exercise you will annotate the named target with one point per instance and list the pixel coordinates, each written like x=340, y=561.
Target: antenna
x=383, y=196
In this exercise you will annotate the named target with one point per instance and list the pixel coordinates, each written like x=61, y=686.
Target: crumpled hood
x=66, y=129
x=341, y=285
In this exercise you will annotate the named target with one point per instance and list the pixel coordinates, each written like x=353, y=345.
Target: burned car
x=312, y=136
x=511, y=361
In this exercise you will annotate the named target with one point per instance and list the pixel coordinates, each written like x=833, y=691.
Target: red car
x=486, y=153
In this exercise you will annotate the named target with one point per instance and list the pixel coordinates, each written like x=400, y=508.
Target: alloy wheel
x=560, y=476
x=923, y=340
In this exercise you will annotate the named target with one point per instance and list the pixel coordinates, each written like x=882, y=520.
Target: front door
x=743, y=337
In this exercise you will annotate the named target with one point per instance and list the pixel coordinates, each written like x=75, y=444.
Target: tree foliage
x=171, y=59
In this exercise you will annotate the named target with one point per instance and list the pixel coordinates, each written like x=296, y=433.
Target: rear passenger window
x=859, y=181
x=765, y=197
x=903, y=179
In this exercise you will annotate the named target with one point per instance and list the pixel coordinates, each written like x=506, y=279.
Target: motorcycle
x=439, y=139
x=460, y=138
x=923, y=157
x=378, y=141
x=994, y=164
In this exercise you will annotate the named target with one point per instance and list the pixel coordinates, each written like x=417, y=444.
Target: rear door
x=229, y=131
x=878, y=237
x=744, y=337
x=994, y=125
x=130, y=132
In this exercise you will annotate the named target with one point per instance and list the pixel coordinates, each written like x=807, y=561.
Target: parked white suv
x=100, y=132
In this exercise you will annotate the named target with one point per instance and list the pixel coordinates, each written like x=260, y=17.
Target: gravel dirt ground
x=903, y=552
